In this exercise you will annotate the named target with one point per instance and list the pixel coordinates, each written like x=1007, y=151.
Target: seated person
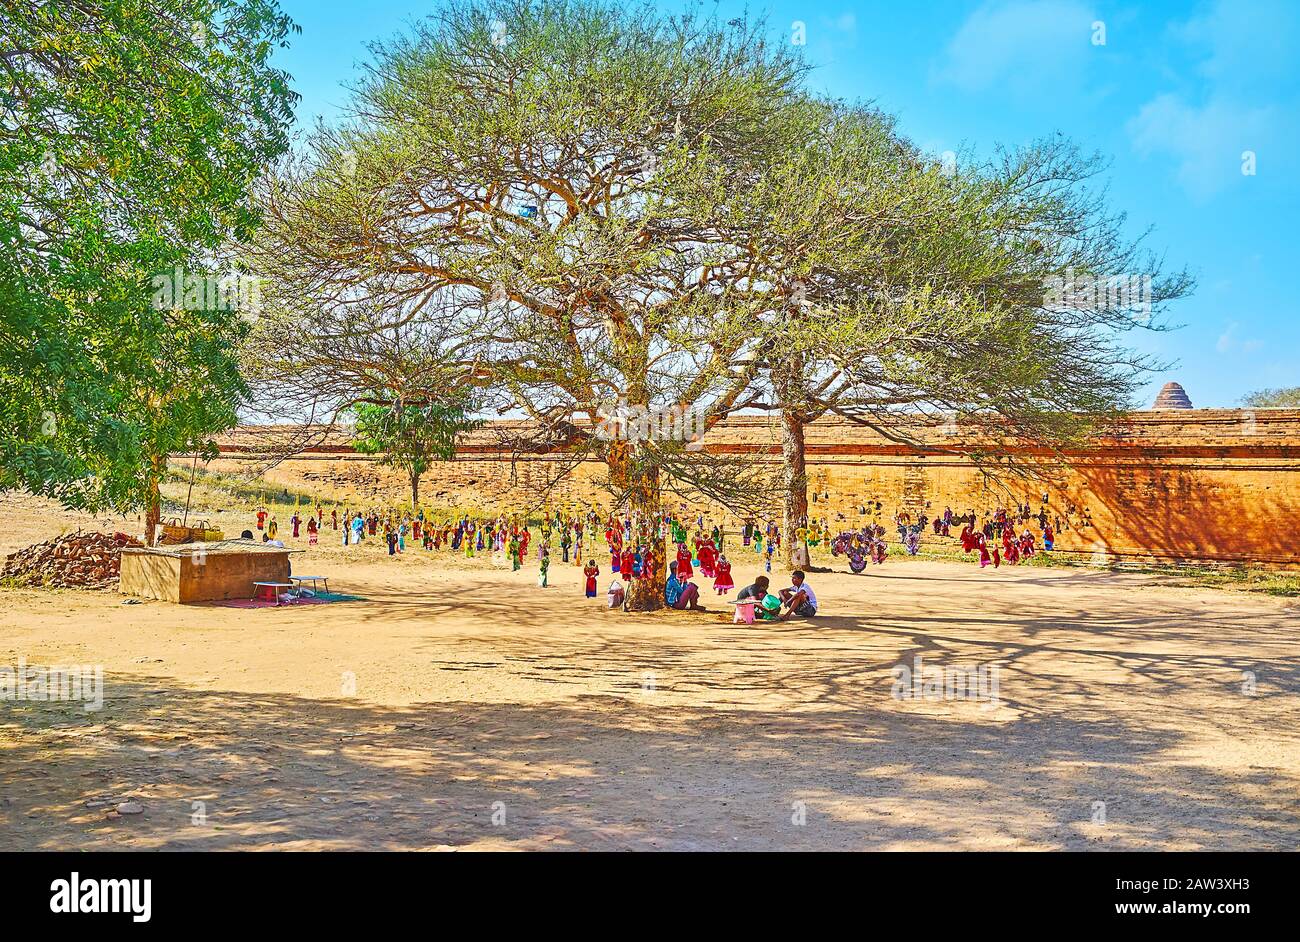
x=769, y=609
x=799, y=599
x=681, y=595
x=755, y=591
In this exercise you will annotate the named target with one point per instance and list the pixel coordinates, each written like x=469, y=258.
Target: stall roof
x=211, y=548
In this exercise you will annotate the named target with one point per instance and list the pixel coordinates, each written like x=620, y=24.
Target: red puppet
x=684, y=570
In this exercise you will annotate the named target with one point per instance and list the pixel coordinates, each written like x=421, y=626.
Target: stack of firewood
x=75, y=560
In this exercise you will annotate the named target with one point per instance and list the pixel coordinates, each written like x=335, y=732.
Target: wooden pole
x=193, y=471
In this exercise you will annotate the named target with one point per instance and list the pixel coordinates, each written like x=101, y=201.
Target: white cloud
x=1022, y=42
x=831, y=34
x=1244, y=100
x=1228, y=342
x=1225, y=340
x=1206, y=141
x=1246, y=43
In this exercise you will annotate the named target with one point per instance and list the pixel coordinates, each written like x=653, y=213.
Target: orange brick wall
x=1210, y=484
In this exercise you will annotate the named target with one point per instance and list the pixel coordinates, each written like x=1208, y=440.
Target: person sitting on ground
x=681, y=595
x=769, y=608
x=799, y=599
x=755, y=591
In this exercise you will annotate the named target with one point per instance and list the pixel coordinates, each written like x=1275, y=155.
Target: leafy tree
x=410, y=436
x=1285, y=398
x=611, y=207
x=129, y=135
x=312, y=357
x=560, y=176
x=919, y=300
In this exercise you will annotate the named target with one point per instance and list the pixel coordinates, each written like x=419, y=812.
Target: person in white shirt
x=799, y=599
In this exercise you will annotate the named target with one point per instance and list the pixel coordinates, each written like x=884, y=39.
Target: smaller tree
x=1286, y=398
x=410, y=436
x=187, y=389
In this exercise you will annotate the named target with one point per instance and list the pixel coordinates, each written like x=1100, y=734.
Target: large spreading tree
x=568, y=175
x=605, y=210
x=129, y=136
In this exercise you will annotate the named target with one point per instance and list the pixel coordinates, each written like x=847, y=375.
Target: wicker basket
x=173, y=532
x=203, y=532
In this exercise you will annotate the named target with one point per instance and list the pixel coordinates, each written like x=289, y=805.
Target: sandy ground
x=490, y=714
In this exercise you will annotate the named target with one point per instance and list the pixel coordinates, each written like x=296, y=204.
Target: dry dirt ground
x=490, y=714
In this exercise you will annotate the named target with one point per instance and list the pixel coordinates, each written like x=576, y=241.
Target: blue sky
x=1173, y=93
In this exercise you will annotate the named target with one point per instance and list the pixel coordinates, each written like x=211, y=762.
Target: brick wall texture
x=1186, y=484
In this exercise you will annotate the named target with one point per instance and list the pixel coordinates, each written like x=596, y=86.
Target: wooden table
x=277, y=586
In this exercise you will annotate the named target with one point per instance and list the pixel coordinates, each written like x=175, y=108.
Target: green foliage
x=558, y=181
x=905, y=287
x=1286, y=398
x=603, y=203
x=130, y=131
x=410, y=436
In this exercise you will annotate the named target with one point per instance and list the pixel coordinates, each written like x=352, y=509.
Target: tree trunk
x=152, y=514
x=647, y=593
x=787, y=382
x=415, y=491
x=641, y=483
x=153, y=506
x=794, y=480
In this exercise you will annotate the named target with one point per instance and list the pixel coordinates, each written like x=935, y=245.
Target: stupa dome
x=1172, y=396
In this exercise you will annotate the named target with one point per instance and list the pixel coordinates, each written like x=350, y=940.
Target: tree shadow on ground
x=609, y=773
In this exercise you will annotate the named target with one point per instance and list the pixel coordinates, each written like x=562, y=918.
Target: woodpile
x=72, y=561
